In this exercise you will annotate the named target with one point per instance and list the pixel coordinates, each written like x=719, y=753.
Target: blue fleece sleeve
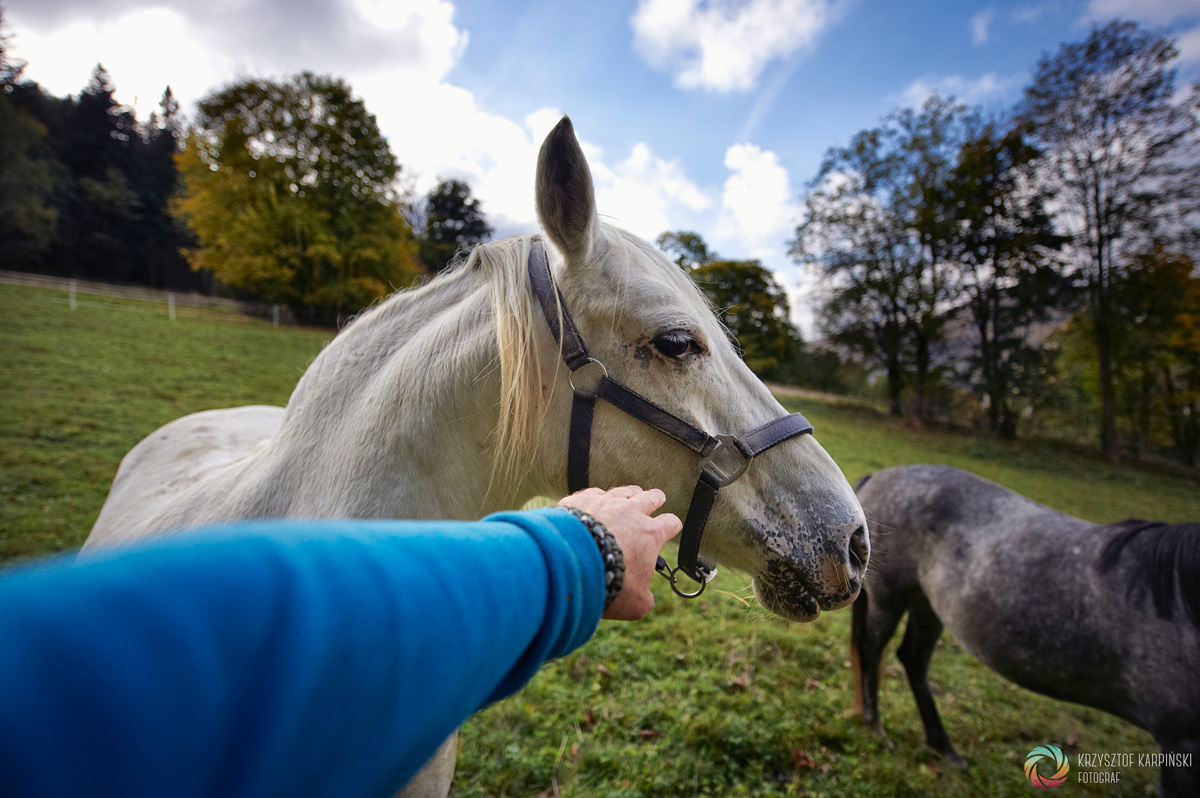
x=280, y=658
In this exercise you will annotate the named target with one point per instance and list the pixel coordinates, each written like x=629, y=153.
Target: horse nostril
x=859, y=549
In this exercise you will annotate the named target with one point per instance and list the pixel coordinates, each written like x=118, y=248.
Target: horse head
x=791, y=521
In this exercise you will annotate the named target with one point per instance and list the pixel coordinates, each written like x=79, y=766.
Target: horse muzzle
x=802, y=583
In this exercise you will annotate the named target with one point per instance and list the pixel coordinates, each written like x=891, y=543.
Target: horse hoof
x=879, y=734
x=956, y=760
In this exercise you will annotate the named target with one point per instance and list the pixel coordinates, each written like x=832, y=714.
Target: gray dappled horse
x=452, y=400
x=1105, y=615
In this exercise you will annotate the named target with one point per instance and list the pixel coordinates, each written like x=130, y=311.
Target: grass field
x=712, y=697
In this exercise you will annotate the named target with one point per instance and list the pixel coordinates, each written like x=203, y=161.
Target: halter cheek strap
x=723, y=458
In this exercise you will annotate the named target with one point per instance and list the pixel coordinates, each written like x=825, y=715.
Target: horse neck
x=398, y=415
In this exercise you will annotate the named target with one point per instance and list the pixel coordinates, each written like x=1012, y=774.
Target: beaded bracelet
x=610, y=553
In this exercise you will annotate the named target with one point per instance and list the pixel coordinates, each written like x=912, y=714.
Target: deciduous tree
x=289, y=188
x=877, y=224
x=1104, y=112
x=754, y=307
x=1004, y=246
x=748, y=300
x=689, y=249
x=1157, y=352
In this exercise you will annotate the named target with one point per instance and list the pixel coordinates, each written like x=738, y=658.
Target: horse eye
x=676, y=344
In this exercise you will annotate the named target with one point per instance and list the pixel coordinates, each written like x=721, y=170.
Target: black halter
x=723, y=458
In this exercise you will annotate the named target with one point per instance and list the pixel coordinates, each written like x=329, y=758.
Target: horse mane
x=1166, y=561
x=521, y=404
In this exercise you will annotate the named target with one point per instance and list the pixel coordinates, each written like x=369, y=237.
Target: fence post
x=275, y=315
x=72, y=293
x=171, y=306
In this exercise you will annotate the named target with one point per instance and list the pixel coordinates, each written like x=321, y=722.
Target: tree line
x=1034, y=263
x=1039, y=261
x=277, y=190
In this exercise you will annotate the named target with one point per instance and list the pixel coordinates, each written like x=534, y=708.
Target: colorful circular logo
x=1046, y=759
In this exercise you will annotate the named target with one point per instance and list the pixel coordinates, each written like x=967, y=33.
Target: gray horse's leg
x=920, y=636
x=872, y=624
x=434, y=779
x=1176, y=782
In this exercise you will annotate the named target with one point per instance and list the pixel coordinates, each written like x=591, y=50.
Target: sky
x=703, y=115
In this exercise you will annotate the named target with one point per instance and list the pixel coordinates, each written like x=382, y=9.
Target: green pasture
x=712, y=697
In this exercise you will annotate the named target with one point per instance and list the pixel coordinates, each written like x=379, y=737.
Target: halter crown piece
x=723, y=458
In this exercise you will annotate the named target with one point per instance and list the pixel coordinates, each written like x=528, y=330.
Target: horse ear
x=566, y=201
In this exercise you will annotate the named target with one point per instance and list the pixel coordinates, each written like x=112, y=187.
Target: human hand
x=626, y=512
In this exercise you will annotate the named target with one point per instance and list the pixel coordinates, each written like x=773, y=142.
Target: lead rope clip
x=671, y=575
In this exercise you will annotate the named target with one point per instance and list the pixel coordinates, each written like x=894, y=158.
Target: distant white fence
x=276, y=313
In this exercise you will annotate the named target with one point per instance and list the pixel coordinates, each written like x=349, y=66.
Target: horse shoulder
x=172, y=460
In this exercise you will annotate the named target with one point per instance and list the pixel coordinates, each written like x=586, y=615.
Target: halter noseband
x=723, y=458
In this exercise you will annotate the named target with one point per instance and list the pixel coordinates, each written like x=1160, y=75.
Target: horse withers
x=452, y=400
x=1105, y=615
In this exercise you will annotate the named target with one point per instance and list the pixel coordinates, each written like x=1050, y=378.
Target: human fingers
x=649, y=500
x=666, y=526
x=585, y=494
x=625, y=491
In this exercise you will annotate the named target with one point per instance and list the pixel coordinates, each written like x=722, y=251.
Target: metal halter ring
x=669, y=573
x=590, y=360
x=733, y=462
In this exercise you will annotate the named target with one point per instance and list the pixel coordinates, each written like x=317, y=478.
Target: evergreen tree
x=29, y=173
x=101, y=214
x=453, y=221
x=155, y=179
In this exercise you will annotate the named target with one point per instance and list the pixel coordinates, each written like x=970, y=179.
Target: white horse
x=451, y=401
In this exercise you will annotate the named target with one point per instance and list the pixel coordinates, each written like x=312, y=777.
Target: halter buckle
x=726, y=461
x=588, y=389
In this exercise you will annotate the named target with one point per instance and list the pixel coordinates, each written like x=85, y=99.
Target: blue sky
x=703, y=115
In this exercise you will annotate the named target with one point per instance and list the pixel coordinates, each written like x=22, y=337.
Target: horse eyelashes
x=676, y=344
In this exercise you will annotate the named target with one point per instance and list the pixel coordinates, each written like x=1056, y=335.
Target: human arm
x=280, y=658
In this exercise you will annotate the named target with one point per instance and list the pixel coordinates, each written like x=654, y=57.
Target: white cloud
x=423, y=27
x=756, y=219
x=138, y=48
x=1157, y=12
x=1188, y=43
x=979, y=26
x=758, y=209
x=965, y=89
x=722, y=45
x=644, y=193
x=801, y=300
x=1028, y=15
x=146, y=45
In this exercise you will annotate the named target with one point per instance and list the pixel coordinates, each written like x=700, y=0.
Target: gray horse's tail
x=858, y=629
